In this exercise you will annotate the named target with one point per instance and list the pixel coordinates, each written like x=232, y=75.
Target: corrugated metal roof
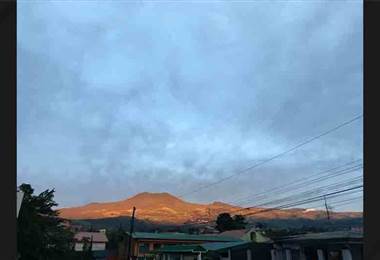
x=224, y=245
x=325, y=235
x=234, y=233
x=181, y=249
x=201, y=248
x=181, y=236
x=96, y=236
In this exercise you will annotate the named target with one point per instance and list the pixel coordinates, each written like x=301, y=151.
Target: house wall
x=357, y=253
x=260, y=253
x=95, y=246
x=78, y=247
x=239, y=254
x=98, y=246
x=306, y=253
x=136, y=244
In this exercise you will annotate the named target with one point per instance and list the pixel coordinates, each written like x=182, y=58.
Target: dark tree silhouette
x=224, y=222
x=239, y=222
x=40, y=233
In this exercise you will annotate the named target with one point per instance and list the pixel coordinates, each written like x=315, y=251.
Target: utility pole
x=130, y=234
x=327, y=208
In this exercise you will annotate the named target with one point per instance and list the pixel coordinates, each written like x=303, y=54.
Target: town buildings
x=96, y=241
x=239, y=250
x=341, y=245
x=144, y=244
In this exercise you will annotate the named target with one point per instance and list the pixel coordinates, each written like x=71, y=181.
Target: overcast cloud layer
x=123, y=97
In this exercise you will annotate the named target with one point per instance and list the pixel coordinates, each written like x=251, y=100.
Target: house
x=238, y=250
x=144, y=243
x=97, y=241
x=340, y=245
x=208, y=230
x=253, y=234
x=67, y=223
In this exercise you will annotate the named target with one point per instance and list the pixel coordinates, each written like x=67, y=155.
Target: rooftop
x=182, y=236
x=201, y=248
x=224, y=245
x=234, y=233
x=96, y=236
x=345, y=235
x=181, y=249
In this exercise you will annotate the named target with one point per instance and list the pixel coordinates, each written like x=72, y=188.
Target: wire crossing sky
x=121, y=97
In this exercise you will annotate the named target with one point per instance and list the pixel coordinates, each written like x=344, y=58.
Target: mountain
x=165, y=208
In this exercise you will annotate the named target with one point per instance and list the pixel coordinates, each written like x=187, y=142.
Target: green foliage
x=115, y=238
x=40, y=233
x=239, y=222
x=86, y=254
x=225, y=222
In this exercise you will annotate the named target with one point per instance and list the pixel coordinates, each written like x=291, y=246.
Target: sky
x=120, y=97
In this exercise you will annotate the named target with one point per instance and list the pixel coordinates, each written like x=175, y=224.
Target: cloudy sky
x=121, y=97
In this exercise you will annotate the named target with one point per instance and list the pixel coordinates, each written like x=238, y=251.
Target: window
x=156, y=246
x=143, y=248
x=335, y=255
x=176, y=257
x=224, y=254
x=295, y=254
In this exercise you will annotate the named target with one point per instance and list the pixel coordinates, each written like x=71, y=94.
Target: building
x=143, y=244
x=20, y=196
x=97, y=241
x=239, y=250
x=341, y=245
x=208, y=230
x=252, y=234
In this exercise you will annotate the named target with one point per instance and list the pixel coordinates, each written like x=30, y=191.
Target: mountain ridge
x=166, y=208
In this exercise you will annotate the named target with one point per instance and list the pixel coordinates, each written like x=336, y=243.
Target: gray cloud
x=120, y=98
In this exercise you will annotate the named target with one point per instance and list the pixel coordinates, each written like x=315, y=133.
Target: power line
x=302, y=180
x=337, y=203
x=278, y=155
x=311, y=192
x=304, y=194
x=291, y=203
x=303, y=184
x=307, y=201
x=302, y=202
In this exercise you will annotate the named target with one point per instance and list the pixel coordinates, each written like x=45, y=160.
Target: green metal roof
x=217, y=246
x=346, y=235
x=180, y=249
x=224, y=245
x=182, y=236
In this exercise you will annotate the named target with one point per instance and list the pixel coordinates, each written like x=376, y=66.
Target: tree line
x=41, y=233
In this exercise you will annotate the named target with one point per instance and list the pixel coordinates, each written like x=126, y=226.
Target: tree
x=115, y=237
x=40, y=233
x=224, y=222
x=239, y=222
x=260, y=225
x=86, y=253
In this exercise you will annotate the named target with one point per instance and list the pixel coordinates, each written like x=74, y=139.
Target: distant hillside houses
x=93, y=241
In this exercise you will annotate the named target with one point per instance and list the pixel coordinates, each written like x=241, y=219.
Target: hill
x=277, y=224
x=166, y=209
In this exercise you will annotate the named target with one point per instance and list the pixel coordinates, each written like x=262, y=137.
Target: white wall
x=95, y=246
x=78, y=247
